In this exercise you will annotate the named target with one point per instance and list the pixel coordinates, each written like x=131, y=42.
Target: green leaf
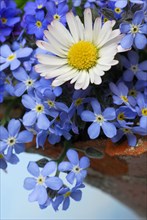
x=21, y=3
x=93, y=153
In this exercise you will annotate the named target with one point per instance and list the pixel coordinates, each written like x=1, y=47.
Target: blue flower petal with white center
x=29, y=183
x=76, y=195
x=29, y=118
x=123, y=89
x=143, y=122
x=14, y=64
x=73, y=157
x=96, y=106
x=24, y=137
x=20, y=74
x=87, y=116
x=28, y=102
x=3, y=146
x=65, y=166
x=42, y=195
x=109, y=113
x=140, y=41
x=19, y=89
x=23, y=52
x=14, y=127
x=114, y=89
x=124, y=28
x=118, y=136
x=143, y=28
x=143, y=65
x=128, y=75
x=4, y=66
x=94, y=130
x=19, y=148
x=33, y=169
x=127, y=41
x=84, y=162
x=109, y=129
x=70, y=177
x=138, y=17
x=49, y=168
x=132, y=140
x=43, y=122
x=3, y=133
x=133, y=57
x=66, y=203
x=54, y=183
x=5, y=50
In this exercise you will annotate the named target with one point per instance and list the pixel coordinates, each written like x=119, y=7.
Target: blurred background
x=95, y=204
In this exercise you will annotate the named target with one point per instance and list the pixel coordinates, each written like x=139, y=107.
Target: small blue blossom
x=26, y=82
x=124, y=114
x=57, y=11
x=9, y=58
x=36, y=24
x=64, y=195
x=121, y=94
x=100, y=120
x=129, y=132
x=37, y=112
x=32, y=7
x=76, y=167
x=41, y=180
x=134, y=32
x=13, y=140
x=142, y=110
x=133, y=67
x=124, y=3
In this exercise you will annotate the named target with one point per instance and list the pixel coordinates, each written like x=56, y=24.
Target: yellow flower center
x=105, y=19
x=56, y=17
x=133, y=92
x=39, y=6
x=78, y=102
x=144, y=111
x=40, y=180
x=1, y=156
x=29, y=82
x=11, y=141
x=4, y=20
x=127, y=130
x=50, y=103
x=11, y=57
x=118, y=10
x=121, y=116
x=99, y=118
x=124, y=98
x=67, y=194
x=38, y=24
x=39, y=108
x=82, y=55
x=134, y=29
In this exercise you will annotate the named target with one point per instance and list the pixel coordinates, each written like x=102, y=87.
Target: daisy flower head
x=79, y=55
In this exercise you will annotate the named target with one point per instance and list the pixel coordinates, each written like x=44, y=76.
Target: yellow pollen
x=105, y=19
x=39, y=6
x=4, y=20
x=121, y=116
x=67, y=194
x=1, y=156
x=127, y=130
x=124, y=98
x=134, y=29
x=11, y=57
x=144, y=111
x=56, y=17
x=39, y=108
x=82, y=55
x=78, y=102
x=133, y=92
x=38, y=24
x=118, y=10
x=40, y=180
x=99, y=118
x=50, y=103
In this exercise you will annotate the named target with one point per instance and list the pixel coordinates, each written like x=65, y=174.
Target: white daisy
x=80, y=54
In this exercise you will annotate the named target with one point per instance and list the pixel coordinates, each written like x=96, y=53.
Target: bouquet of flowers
x=75, y=70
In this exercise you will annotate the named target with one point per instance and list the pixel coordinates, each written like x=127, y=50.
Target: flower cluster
x=74, y=70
